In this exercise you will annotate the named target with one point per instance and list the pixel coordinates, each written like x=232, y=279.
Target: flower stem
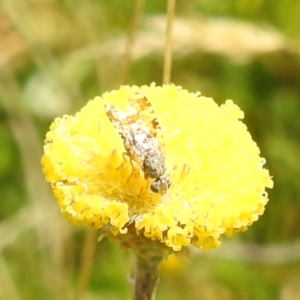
x=86, y=263
x=146, y=276
x=169, y=42
x=129, y=43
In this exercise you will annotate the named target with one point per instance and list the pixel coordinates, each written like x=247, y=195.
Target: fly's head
x=160, y=185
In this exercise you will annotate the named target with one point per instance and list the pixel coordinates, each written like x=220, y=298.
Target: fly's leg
x=122, y=164
x=132, y=170
x=146, y=178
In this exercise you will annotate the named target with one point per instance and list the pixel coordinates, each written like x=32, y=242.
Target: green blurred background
x=55, y=55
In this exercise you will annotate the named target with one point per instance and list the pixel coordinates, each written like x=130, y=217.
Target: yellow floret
x=218, y=177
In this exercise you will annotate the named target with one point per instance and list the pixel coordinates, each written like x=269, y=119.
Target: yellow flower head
x=218, y=178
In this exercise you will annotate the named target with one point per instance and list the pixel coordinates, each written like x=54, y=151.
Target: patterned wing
x=117, y=117
x=124, y=125
x=142, y=112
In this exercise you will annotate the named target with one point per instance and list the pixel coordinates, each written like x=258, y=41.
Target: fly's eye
x=160, y=185
x=154, y=187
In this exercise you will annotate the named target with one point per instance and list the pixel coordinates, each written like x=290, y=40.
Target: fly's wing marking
x=144, y=115
x=116, y=117
x=121, y=122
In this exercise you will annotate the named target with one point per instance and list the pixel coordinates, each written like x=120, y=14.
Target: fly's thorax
x=154, y=163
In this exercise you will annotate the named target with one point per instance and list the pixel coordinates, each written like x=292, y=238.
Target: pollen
x=218, y=179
